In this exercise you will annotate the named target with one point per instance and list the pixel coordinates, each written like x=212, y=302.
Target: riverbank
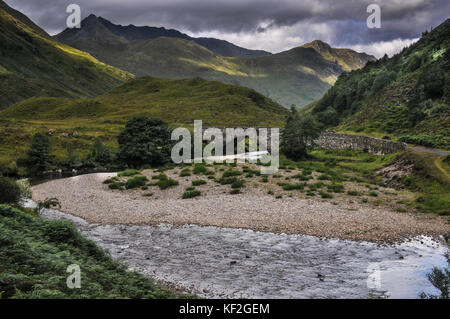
x=87, y=197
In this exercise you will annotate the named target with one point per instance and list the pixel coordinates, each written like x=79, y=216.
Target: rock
x=76, y=134
x=51, y=132
x=64, y=134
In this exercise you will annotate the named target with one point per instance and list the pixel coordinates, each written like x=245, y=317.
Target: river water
x=236, y=263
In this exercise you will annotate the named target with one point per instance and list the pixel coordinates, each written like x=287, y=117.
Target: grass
x=128, y=172
x=198, y=182
x=35, y=253
x=191, y=194
x=178, y=102
x=136, y=181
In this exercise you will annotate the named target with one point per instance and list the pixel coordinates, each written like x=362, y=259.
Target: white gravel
x=87, y=197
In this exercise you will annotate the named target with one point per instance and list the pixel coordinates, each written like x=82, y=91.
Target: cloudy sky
x=272, y=25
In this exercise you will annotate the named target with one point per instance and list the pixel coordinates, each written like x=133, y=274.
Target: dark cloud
x=342, y=22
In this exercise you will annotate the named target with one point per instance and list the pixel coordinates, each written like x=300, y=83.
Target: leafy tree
x=298, y=135
x=39, y=158
x=144, y=141
x=100, y=153
x=10, y=191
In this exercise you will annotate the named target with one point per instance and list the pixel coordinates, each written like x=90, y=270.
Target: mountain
x=405, y=97
x=100, y=26
x=178, y=102
x=298, y=76
x=32, y=64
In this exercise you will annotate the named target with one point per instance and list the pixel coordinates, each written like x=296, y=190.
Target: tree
x=298, y=135
x=144, y=141
x=100, y=153
x=440, y=279
x=39, y=158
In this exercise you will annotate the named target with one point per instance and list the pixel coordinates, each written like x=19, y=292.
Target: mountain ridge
x=297, y=76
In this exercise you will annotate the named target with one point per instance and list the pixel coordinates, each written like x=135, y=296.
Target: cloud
x=272, y=25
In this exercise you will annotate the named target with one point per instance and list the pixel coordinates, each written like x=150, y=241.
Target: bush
x=227, y=180
x=198, y=182
x=116, y=185
x=165, y=183
x=325, y=195
x=129, y=172
x=291, y=187
x=185, y=172
x=111, y=180
x=336, y=188
x=39, y=158
x=144, y=141
x=231, y=173
x=136, y=181
x=237, y=184
x=298, y=135
x=10, y=191
x=191, y=194
x=235, y=191
x=200, y=168
x=100, y=154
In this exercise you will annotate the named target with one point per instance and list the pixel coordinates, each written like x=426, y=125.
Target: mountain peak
x=317, y=45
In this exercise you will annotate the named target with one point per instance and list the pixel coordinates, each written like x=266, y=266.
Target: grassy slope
x=35, y=253
x=388, y=110
x=179, y=102
x=298, y=76
x=32, y=64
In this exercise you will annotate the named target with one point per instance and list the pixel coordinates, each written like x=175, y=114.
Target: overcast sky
x=272, y=25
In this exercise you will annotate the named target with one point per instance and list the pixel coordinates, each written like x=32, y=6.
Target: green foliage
x=291, y=187
x=185, y=172
x=405, y=95
x=129, y=172
x=39, y=158
x=232, y=172
x=298, y=135
x=227, y=180
x=238, y=184
x=10, y=191
x=116, y=185
x=198, y=182
x=48, y=203
x=144, y=141
x=35, y=254
x=335, y=188
x=136, y=181
x=440, y=279
x=235, y=191
x=165, y=182
x=325, y=194
x=100, y=154
x=191, y=194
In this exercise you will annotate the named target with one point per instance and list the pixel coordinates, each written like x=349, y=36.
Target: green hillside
x=405, y=97
x=298, y=76
x=178, y=102
x=31, y=64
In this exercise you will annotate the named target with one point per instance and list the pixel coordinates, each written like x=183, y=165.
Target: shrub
x=111, y=180
x=235, y=191
x=353, y=193
x=237, y=184
x=129, y=172
x=335, y=188
x=166, y=182
x=270, y=193
x=265, y=179
x=185, y=172
x=231, y=173
x=198, y=182
x=100, y=153
x=144, y=141
x=324, y=177
x=116, y=185
x=148, y=195
x=325, y=195
x=136, y=181
x=10, y=191
x=373, y=194
x=39, y=158
x=227, y=180
x=290, y=187
x=191, y=188
x=200, y=168
x=191, y=194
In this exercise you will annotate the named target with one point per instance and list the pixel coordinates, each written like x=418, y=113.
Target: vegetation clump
x=191, y=194
x=10, y=191
x=136, y=181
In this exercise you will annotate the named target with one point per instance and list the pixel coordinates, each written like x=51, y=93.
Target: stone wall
x=333, y=140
